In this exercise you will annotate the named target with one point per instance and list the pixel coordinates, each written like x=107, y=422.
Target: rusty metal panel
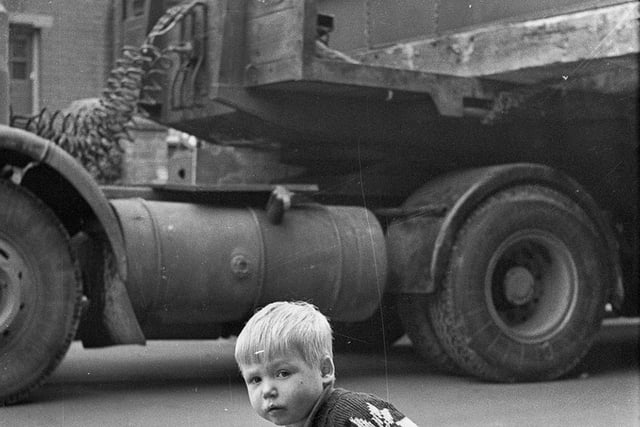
x=349, y=22
x=229, y=52
x=274, y=40
x=391, y=21
x=260, y=8
x=271, y=44
x=216, y=36
x=361, y=24
x=457, y=14
x=557, y=49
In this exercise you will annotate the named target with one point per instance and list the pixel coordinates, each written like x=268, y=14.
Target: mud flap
x=109, y=318
x=118, y=316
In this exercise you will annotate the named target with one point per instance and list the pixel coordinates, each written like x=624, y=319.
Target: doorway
x=21, y=69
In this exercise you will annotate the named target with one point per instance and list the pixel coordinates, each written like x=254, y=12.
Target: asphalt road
x=195, y=383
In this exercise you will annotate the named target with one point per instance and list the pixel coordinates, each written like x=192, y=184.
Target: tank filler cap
x=240, y=266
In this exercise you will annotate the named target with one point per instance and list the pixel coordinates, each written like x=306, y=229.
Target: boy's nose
x=269, y=390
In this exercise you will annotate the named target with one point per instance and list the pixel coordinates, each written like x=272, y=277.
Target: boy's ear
x=328, y=369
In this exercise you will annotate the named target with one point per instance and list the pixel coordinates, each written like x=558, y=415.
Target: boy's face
x=284, y=390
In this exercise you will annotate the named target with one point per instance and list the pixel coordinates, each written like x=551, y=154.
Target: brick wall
x=75, y=52
x=76, y=55
x=4, y=71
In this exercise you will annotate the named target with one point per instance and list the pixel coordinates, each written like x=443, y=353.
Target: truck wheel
x=525, y=289
x=414, y=314
x=40, y=292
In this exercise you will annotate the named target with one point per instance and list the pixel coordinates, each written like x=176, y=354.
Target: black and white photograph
x=319, y=213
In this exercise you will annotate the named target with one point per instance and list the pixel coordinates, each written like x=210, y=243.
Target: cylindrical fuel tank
x=192, y=264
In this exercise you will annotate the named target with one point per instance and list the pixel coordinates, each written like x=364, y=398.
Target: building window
x=23, y=68
x=138, y=7
x=18, y=70
x=19, y=55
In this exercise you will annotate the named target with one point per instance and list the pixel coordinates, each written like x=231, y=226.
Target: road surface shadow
x=162, y=369
x=615, y=349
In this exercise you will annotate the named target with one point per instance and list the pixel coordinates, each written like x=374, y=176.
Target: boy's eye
x=283, y=374
x=254, y=380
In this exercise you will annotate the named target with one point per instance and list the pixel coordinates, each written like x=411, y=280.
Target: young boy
x=285, y=355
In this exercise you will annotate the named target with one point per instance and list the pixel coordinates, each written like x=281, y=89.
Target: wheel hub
x=10, y=293
x=519, y=285
x=531, y=286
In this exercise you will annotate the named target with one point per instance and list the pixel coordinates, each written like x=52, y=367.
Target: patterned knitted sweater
x=338, y=407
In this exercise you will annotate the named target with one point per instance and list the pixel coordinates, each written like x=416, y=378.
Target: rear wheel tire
x=525, y=289
x=414, y=313
x=40, y=292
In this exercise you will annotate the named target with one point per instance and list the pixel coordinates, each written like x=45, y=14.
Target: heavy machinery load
x=468, y=167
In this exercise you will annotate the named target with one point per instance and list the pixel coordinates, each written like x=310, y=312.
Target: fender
x=461, y=193
x=41, y=150
x=21, y=148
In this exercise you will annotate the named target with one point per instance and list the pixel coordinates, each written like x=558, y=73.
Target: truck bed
x=307, y=47
x=344, y=87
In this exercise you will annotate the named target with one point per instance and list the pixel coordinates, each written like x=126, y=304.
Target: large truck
x=466, y=172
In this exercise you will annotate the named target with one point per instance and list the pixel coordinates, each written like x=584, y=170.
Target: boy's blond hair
x=280, y=328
